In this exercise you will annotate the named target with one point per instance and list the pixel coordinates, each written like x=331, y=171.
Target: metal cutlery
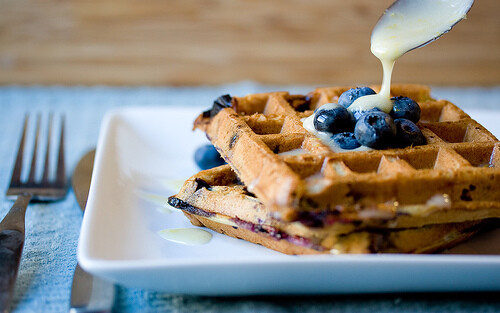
x=33, y=189
x=88, y=293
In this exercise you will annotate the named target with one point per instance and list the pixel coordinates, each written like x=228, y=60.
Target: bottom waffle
x=426, y=239
x=216, y=199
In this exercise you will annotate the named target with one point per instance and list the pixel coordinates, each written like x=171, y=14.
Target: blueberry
x=348, y=97
x=404, y=107
x=222, y=102
x=375, y=130
x=207, y=156
x=345, y=140
x=408, y=134
x=358, y=114
x=333, y=118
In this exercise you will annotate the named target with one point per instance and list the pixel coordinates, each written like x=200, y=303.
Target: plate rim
x=109, y=267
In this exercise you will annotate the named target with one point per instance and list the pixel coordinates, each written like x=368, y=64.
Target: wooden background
x=190, y=42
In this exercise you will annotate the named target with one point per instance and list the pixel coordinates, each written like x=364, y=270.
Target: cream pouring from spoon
x=404, y=26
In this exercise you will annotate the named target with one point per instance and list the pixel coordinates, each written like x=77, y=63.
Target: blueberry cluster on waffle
x=449, y=185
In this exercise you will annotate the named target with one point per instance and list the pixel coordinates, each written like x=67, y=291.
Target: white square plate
x=143, y=149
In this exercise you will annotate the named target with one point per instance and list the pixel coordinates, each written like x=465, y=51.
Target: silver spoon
x=410, y=24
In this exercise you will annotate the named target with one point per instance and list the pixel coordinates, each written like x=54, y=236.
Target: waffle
x=216, y=199
x=454, y=178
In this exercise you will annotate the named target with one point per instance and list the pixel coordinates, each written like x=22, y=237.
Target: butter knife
x=88, y=293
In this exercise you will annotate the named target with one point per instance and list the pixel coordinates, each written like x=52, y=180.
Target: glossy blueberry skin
x=358, y=114
x=404, y=107
x=346, y=140
x=408, y=133
x=375, y=130
x=335, y=120
x=207, y=156
x=349, y=96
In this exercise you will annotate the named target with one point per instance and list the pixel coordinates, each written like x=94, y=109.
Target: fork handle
x=11, y=247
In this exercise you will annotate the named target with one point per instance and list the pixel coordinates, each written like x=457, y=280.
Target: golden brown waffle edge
x=216, y=199
x=455, y=175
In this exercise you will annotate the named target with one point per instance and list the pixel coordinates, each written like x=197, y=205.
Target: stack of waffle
x=283, y=188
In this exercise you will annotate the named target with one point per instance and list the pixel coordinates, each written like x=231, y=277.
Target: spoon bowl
x=410, y=24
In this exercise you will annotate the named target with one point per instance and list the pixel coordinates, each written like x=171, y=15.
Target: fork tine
x=61, y=171
x=16, y=173
x=31, y=177
x=45, y=176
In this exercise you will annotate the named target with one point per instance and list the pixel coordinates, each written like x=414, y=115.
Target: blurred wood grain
x=159, y=42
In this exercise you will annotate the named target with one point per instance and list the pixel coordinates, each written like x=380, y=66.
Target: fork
x=46, y=189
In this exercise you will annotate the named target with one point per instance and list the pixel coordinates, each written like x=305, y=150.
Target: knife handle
x=11, y=248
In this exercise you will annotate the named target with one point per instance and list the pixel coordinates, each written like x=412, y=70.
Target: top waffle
x=454, y=177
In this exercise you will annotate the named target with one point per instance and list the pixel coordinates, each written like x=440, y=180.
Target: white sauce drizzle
x=308, y=124
x=438, y=201
x=186, y=236
x=159, y=200
x=405, y=26
x=316, y=183
x=173, y=184
x=298, y=151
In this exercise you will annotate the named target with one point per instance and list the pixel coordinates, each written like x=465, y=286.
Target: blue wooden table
x=52, y=229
